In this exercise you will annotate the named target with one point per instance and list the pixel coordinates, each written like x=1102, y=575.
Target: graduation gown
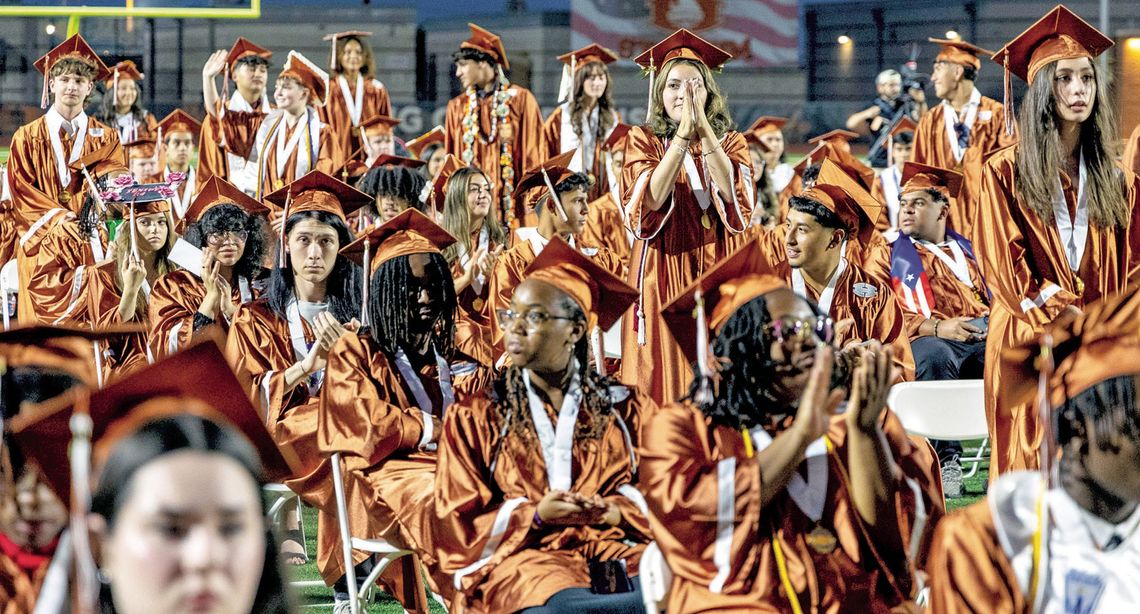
x=19, y=589
x=672, y=247
x=175, y=299
x=349, y=103
x=606, y=228
x=509, y=273
x=283, y=154
x=487, y=492
x=888, y=183
x=981, y=557
x=260, y=345
x=952, y=297
x=128, y=353
x=1025, y=262
x=56, y=290
x=473, y=319
x=524, y=136
x=130, y=129
x=935, y=143
x=703, y=494
x=558, y=133
x=371, y=415
x=219, y=141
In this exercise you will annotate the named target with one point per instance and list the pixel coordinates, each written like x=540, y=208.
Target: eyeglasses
x=228, y=236
x=534, y=319
x=787, y=330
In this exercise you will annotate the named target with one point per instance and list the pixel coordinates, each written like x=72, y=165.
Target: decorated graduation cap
x=179, y=121
x=358, y=35
x=837, y=191
x=1059, y=35
x=74, y=48
x=700, y=310
x=603, y=297
x=316, y=191
x=548, y=175
x=683, y=45
x=436, y=191
x=576, y=60
x=417, y=145
x=304, y=71
x=960, y=52
x=140, y=199
x=617, y=137
x=217, y=191
x=410, y=232
x=101, y=162
x=485, y=41
x=917, y=176
x=1071, y=355
x=197, y=381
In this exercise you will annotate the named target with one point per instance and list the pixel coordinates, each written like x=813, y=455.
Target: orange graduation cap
x=601, y=295
x=98, y=163
x=548, y=175
x=390, y=160
x=960, y=52
x=828, y=150
x=242, y=49
x=417, y=145
x=617, y=137
x=197, y=381
x=683, y=44
x=123, y=70
x=75, y=48
x=905, y=124
x=438, y=185
x=317, y=191
x=917, y=176
x=841, y=138
x=379, y=124
x=1059, y=35
x=486, y=42
x=69, y=349
x=142, y=147
x=839, y=192
x=217, y=191
x=359, y=35
x=766, y=124
x=180, y=121
x=308, y=74
x=575, y=60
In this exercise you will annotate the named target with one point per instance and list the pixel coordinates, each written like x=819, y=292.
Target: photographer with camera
x=896, y=98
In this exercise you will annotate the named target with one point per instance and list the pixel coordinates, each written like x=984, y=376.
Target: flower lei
x=500, y=113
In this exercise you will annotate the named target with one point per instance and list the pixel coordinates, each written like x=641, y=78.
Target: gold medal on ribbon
x=63, y=197
x=278, y=184
x=822, y=540
x=477, y=304
x=706, y=221
x=1079, y=283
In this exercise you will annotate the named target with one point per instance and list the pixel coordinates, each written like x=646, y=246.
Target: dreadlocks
x=1111, y=408
x=391, y=301
x=397, y=181
x=513, y=406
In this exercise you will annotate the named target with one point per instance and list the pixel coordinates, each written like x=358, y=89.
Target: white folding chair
x=9, y=284
x=655, y=577
x=386, y=552
x=284, y=495
x=946, y=409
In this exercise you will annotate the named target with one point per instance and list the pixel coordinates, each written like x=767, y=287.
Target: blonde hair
x=457, y=217
x=716, y=104
x=163, y=265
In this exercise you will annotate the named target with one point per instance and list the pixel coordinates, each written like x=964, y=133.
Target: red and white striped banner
x=755, y=32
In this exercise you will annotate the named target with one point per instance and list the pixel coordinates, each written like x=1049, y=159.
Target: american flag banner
x=756, y=32
x=908, y=277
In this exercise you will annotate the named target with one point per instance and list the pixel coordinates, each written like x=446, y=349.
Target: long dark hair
x=343, y=284
x=390, y=304
x=605, y=103
x=107, y=113
x=164, y=436
x=230, y=217
x=513, y=407
x=1039, y=152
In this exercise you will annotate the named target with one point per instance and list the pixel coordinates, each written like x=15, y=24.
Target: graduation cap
x=1071, y=355
x=959, y=52
x=243, y=49
x=217, y=191
x=410, y=232
x=836, y=190
x=603, y=297
x=417, y=145
x=841, y=138
x=74, y=48
x=123, y=70
x=486, y=42
x=577, y=59
x=70, y=349
x=358, y=35
x=617, y=137
x=197, y=381
x=917, y=176
x=683, y=45
x=142, y=147
x=827, y=150
x=179, y=121
x=1059, y=35
x=435, y=192
x=316, y=191
x=549, y=174
x=390, y=160
x=302, y=70
x=102, y=161
x=905, y=124
x=700, y=310
x=766, y=124
x=142, y=199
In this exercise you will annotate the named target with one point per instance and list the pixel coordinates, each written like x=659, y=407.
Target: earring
x=103, y=576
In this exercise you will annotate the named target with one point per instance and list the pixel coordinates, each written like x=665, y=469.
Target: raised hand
x=688, y=127
x=133, y=274
x=215, y=64
x=819, y=401
x=869, y=386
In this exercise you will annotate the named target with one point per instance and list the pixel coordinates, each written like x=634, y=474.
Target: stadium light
x=50, y=29
x=952, y=35
x=843, y=39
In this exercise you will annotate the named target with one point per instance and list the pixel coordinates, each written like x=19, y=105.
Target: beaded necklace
x=472, y=130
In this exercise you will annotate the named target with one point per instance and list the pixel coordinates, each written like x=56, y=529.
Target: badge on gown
x=477, y=304
x=1082, y=592
x=63, y=197
x=865, y=290
x=822, y=540
x=706, y=221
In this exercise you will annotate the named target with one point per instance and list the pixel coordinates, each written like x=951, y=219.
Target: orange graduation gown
x=219, y=141
x=673, y=246
x=128, y=353
x=1026, y=266
x=487, y=490
x=703, y=493
x=558, y=133
x=345, y=121
x=952, y=298
x=56, y=282
x=522, y=133
x=308, y=145
x=932, y=145
x=606, y=228
x=473, y=319
x=174, y=300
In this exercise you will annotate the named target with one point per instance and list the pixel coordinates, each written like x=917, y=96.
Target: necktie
x=963, y=132
x=66, y=131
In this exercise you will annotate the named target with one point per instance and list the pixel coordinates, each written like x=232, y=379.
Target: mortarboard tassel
x=44, y=94
x=281, y=235
x=134, y=234
x=225, y=91
x=365, y=321
x=599, y=351
x=649, y=103
x=115, y=89
x=1045, y=408
x=1008, y=98
x=890, y=151
x=704, y=391
x=554, y=196
x=86, y=589
x=332, y=55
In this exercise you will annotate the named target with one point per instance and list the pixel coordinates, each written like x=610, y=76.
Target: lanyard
x=412, y=379
x=959, y=265
x=355, y=104
x=557, y=441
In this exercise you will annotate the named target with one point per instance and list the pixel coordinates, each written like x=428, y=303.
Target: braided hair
x=390, y=304
x=343, y=283
x=513, y=406
x=397, y=181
